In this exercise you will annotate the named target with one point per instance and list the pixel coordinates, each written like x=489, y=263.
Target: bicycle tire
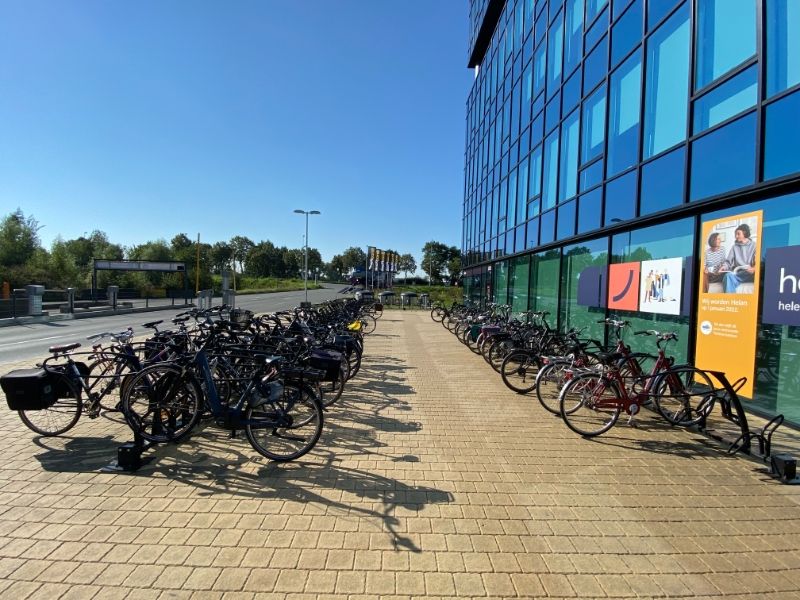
x=518, y=371
x=114, y=372
x=550, y=381
x=269, y=440
x=499, y=351
x=578, y=404
x=683, y=395
x=60, y=417
x=437, y=314
x=331, y=391
x=162, y=404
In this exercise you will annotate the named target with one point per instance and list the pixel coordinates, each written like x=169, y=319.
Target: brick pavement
x=431, y=479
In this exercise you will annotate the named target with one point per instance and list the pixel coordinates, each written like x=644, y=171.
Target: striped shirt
x=714, y=258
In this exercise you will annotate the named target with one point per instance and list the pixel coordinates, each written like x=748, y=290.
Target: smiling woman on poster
x=739, y=265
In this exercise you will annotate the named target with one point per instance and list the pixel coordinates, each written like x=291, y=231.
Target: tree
x=19, y=239
x=241, y=245
x=336, y=269
x=353, y=257
x=64, y=272
x=454, y=265
x=220, y=256
x=406, y=263
x=440, y=261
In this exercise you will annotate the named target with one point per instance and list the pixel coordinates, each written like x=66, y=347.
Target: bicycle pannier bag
x=28, y=389
x=327, y=361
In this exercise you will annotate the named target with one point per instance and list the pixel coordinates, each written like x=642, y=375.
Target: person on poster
x=715, y=256
x=648, y=286
x=740, y=264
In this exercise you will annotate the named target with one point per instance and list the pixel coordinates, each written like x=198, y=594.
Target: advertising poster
x=623, y=286
x=727, y=310
x=781, y=304
x=661, y=282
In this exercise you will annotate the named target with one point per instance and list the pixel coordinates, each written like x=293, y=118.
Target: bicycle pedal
x=633, y=423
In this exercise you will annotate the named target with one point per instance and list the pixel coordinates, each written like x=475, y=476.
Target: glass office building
x=641, y=159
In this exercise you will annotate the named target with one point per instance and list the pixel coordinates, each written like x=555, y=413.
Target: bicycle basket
x=28, y=389
x=327, y=361
x=240, y=316
x=474, y=332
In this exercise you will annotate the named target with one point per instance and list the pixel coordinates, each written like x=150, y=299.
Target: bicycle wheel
x=109, y=374
x=498, y=352
x=287, y=428
x=549, y=381
x=437, y=314
x=368, y=324
x=161, y=403
x=683, y=395
x=331, y=391
x=61, y=416
x=518, y=371
x=589, y=404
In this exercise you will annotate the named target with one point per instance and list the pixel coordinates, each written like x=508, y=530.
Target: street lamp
x=305, y=269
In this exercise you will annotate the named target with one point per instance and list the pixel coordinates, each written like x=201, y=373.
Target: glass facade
x=602, y=134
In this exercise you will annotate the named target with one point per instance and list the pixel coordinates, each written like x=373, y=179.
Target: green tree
x=240, y=245
x=19, y=239
x=406, y=263
x=353, y=257
x=220, y=256
x=63, y=272
x=454, y=265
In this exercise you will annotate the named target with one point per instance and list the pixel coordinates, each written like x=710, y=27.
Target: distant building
x=607, y=141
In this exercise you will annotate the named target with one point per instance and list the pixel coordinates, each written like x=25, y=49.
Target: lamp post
x=305, y=268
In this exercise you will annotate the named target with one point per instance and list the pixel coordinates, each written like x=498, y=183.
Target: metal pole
x=305, y=270
x=197, y=268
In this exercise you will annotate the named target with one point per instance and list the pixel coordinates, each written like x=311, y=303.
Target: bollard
x=229, y=298
x=113, y=290
x=70, y=300
x=35, y=293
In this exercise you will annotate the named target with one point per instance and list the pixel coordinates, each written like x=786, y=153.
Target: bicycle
x=278, y=409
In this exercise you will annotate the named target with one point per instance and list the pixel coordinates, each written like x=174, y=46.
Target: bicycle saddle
x=152, y=324
x=64, y=348
x=609, y=358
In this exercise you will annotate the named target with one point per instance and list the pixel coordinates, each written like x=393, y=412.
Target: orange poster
x=727, y=310
x=623, y=286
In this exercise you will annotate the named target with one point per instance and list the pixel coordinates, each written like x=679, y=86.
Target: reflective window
x=512, y=198
x=552, y=114
x=520, y=273
x=535, y=181
x=566, y=219
x=519, y=240
x=726, y=37
x=624, y=103
x=568, y=186
x=662, y=182
x=522, y=190
x=545, y=268
x=592, y=175
x=619, y=7
x=573, y=39
x=594, y=125
x=783, y=45
x=533, y=233
x=593, y=7
x=621, y=199
x=539, y=69
x=657, y=10
x=595, y=66
x=729, y=99
x=626, y=33
x=555, y=54
x=547, y=225
x=724, y=159
x=501, y=282
x=782, y=132
x=550, y=174
x=596, y=31
x=571, y=92
x=590, y=207
x=666, y=83
x=582, y=304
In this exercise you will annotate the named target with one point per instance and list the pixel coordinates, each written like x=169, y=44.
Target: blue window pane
x=782, y=132
x=533, y=233
x=525, y=141
x=624, y=105
x=537, y=130
x=550, y=174
x=590, y=208
x=621, y=199
x=573, y=38
x=592, y=175
x=726, y=37
x=566, y=220
x=729, y=99
x=595, y=66
x=552, y=114
x=547, y=226
x=555, y=55
x=783, y=45
x=666, y=84
x=534, y=207
x=662, y=182
x=626, y=33
x=512, y=198
x=568, y=181
x=657, y=10
x=724, y=159
x=597, y=31
x=539, y=69
x=594, y=125
x=519, y=239
x=510, y=242
x=571, y=92
x=522, y=190
x=535, y=176
x=593, y=7
x=619, y=7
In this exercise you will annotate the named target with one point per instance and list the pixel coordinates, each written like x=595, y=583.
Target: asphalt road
x=26, y=342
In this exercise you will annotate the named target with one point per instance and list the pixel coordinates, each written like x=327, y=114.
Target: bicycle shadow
x=77, y=454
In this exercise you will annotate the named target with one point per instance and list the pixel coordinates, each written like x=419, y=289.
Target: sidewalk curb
x=88, y=315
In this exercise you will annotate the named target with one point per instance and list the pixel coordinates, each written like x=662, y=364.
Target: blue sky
x=145, y=119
